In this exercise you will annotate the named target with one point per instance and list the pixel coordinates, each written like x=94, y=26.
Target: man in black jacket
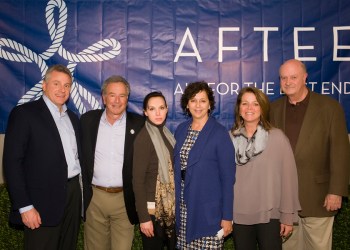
x=41, y=164
x=107, y=138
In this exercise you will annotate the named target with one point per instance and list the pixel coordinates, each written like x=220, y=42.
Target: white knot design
x=90, y=54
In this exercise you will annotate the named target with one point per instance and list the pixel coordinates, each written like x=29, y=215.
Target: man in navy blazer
x=41, y=164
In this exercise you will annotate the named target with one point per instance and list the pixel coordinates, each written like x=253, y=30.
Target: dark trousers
x=160, y=239
x=65, y=235
x=265, y=235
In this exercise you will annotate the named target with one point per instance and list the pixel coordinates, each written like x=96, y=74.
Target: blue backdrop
x=164, y=44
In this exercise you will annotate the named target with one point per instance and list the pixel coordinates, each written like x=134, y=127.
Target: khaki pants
x=107, y=225
x=311, y=233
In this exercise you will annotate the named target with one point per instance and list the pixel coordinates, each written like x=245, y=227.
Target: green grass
x=11, y=238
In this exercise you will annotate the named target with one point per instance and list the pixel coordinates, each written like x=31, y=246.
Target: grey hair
x=115, y=79
x=59, y=68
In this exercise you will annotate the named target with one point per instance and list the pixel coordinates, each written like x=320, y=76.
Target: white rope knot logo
x=89, y=54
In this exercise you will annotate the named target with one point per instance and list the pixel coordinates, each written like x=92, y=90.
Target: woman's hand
x=147, y=228
x=227, y=226
x=286, y=231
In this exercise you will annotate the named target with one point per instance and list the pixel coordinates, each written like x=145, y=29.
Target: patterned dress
x=209, y=242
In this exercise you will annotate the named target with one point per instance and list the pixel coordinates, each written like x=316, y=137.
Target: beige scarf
x=165, y=188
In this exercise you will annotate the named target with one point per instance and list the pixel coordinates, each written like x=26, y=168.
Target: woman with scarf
x=266, y=190
x=204, y=173
x=153, y=176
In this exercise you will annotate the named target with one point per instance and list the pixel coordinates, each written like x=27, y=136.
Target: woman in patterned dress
x=204, y=173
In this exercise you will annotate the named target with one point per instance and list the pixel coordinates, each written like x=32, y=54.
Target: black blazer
x=89, y=128
x=35, y=166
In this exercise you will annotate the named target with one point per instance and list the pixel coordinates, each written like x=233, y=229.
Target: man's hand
x=332, y=202
x=31, y=218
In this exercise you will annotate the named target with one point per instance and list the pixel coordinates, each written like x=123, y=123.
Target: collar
x=53, y=108
x=304, y=102
x=122, y=119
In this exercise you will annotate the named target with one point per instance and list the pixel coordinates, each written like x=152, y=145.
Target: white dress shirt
x=67, y=134
x=109, y=152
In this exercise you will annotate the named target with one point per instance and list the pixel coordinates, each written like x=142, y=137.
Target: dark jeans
x=265, y=235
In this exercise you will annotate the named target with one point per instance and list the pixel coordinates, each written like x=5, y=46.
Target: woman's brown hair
x=264, y=104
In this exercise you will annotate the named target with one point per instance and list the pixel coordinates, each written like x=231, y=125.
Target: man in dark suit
x=315, y=125
x=107, y=145
x=42, y=166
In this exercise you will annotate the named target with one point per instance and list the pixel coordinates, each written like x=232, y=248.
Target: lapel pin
x=132, y=131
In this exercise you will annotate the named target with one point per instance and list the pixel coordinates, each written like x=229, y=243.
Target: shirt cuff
x=25, y=209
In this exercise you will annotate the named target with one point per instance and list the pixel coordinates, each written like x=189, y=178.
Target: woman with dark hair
x=204, y=173
x=266, y=190
x=153, y=176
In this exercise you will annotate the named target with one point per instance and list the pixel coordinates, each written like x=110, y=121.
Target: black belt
x=183, y=174
x=70, y=179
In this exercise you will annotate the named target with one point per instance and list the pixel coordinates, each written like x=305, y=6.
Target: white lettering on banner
x=346, y=88
x=336, y=46
x=193, y=44
x=311, y=85
x=221, y=41
x=232, y=88
x=265, y=31
x=178, y=89
x=297, y=46
x=265, y=87
x=331, y=88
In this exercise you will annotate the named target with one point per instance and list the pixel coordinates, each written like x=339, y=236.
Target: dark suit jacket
x=210, y=175
x=322, y=152
x=89, y=128
x=34, y=162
